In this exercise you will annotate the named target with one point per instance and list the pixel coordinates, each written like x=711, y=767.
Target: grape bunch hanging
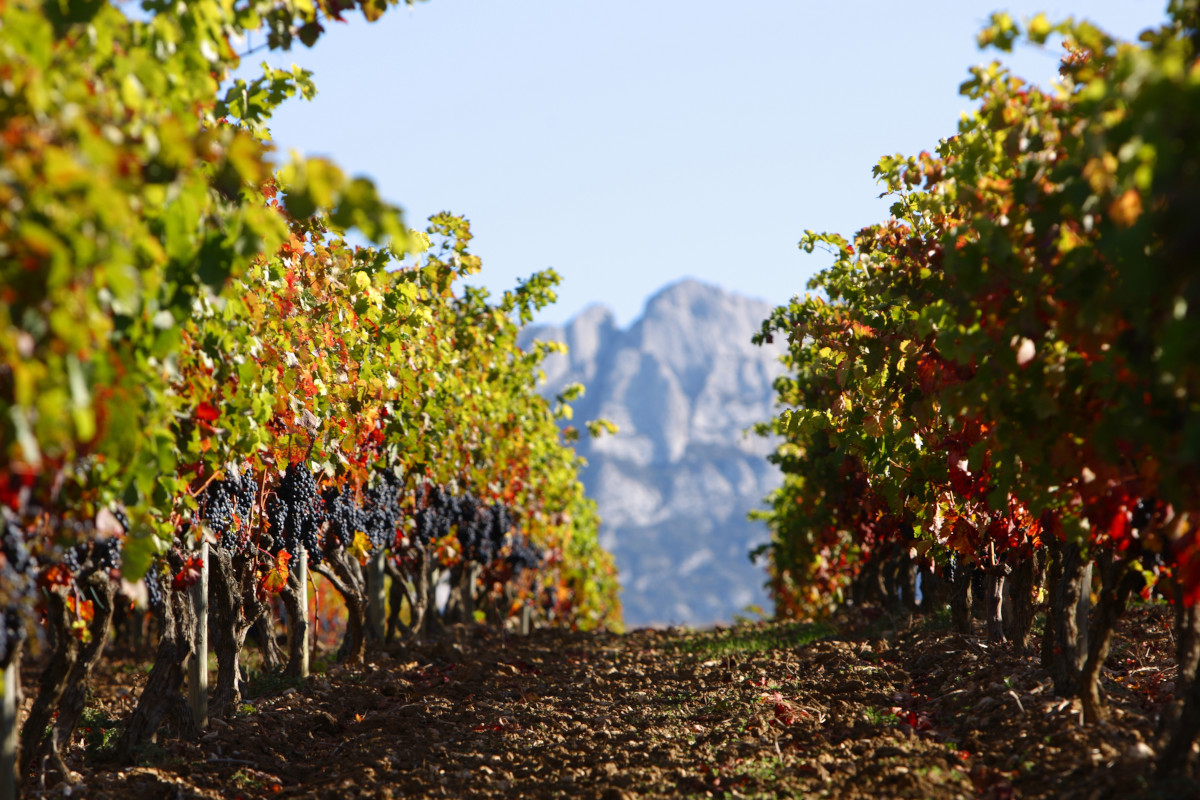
x=297, y=513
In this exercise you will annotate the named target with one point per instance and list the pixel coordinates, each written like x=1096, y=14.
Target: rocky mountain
x=683, y=383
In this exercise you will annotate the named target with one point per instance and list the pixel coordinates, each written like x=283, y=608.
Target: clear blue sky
x=630, y=143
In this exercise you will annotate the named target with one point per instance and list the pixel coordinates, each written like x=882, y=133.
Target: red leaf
x=503, y=726
x=187, y=577
x=1188, y=558
x=1118, y=529
x=205, y=412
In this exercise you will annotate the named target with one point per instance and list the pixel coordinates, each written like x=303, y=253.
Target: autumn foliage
x=999, y=383
x=185, y=319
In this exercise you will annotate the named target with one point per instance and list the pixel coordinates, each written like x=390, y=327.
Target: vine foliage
x=194, y=352
x=1001, y=378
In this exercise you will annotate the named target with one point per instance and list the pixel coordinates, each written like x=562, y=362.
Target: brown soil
x=739, y=712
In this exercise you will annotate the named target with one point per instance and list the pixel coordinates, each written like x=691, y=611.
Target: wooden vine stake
x=198, y=663
x=376, y=595
x=8, y=732
x=526, y=619
x=302, y=575
x=1083, y=610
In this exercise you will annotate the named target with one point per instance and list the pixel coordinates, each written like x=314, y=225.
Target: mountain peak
x=594, y=315
x=683, y=383
x=688, y=296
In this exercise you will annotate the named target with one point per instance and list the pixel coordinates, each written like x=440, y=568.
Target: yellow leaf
x=1039, y=28
x=1099, y=172
x=360, y=548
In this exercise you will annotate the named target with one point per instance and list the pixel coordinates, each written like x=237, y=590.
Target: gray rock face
x=684, y=384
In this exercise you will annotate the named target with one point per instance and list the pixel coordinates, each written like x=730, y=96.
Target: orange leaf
x=57, y=575
x=274, y=579
x=85, y=610
x=1126, y=209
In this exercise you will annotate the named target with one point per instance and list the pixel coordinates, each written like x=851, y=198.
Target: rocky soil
x=859, y=707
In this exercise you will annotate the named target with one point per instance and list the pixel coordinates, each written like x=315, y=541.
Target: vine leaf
x=275, y=578
x=188, y=574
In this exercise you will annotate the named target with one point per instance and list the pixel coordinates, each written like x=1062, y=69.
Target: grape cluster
x=154, y=587
x=73, y=558
x=217, y=512
x=470, y=524
x=382, y=508
x=245, y=495
x=17, y=569
x=106, y=553
x=482, y=528
x=12, y=633
x=305, y=512
x=227, y=508
x=435, y=514
x=16, y=554
x=277, y=515
x=91, y=551
x=522, y=556
x=345, y=515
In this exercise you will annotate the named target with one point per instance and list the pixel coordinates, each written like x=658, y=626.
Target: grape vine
x=194, y=353
x=999, y=380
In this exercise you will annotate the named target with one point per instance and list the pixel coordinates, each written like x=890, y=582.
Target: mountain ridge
x=683, y=383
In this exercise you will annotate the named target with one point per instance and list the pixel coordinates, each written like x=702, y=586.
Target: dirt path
x=752, y=711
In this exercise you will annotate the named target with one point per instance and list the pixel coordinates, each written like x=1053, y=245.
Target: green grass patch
x=245, y=779
x=754, y=637
x=100, y=733
x=877, y=716
x=764, y=769
x=941, y=774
